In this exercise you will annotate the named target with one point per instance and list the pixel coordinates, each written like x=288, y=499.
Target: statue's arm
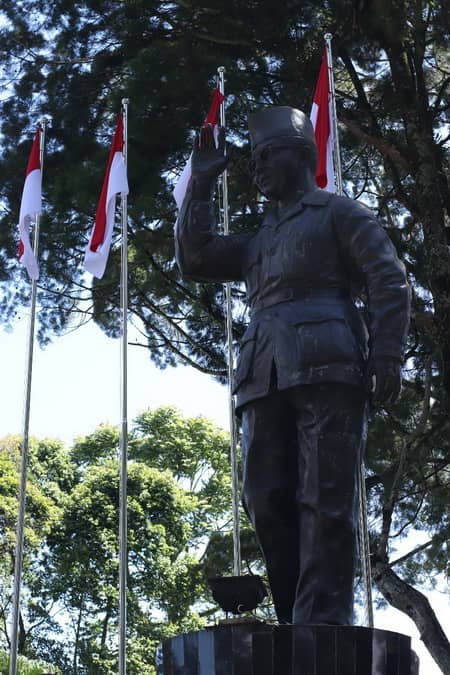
x=373, y=257
x=374, y=260
x=202, y=254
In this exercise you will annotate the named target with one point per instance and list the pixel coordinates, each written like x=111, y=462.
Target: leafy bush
x=27, y=667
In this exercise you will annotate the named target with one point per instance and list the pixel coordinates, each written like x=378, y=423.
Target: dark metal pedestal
x=262, y=649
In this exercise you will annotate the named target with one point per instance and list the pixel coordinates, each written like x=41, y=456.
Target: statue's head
x=284, y=149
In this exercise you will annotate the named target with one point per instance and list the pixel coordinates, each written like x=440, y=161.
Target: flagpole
x=363, y=528
x=230, y=359
x=123, y=539
x=336, y=150
x=365, y=544
x=18, y=562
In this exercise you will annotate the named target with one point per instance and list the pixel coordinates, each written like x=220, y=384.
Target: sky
x=76, y=387
x=76, y=384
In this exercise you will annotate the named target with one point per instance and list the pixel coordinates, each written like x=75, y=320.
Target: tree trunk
x=105, y=624
x=21, y=642
x=407, y=599
x=77, y=639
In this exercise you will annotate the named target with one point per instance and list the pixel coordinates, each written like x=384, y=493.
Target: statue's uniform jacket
x=302, y=270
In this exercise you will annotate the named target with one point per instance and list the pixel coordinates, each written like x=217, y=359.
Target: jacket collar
x=314, y=198
x=317, y=197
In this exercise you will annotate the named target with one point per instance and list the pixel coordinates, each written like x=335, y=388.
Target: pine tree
x=75, y=61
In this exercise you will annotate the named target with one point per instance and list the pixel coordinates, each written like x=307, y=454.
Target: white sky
x=76, y=384
x=75, y=387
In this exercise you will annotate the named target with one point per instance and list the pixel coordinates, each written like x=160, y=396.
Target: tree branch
x=412, y=553
x=409, y=600
x=386, y=149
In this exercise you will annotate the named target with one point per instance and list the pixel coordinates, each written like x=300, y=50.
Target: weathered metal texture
x=261, y=649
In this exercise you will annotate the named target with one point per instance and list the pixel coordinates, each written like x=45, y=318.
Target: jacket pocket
x=326, y=341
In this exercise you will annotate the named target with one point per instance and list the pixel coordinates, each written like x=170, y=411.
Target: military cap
x=280, y=123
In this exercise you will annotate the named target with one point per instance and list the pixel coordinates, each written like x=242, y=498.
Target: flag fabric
x=211, y=118
x=115, y=182
x=321, y=116
x=30, y=207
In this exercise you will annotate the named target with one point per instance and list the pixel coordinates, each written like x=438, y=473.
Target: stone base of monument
x=257, y=648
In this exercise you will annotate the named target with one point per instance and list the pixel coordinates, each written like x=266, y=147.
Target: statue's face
x=277, y=170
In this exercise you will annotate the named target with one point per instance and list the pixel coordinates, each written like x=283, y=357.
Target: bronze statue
x=308, y=363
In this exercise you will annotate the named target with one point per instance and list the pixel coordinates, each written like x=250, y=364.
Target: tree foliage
x=50, y=476
x=178, y=521
x=27, y=667
x=75, y=61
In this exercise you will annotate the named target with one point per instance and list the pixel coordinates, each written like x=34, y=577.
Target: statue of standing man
x=308, y=363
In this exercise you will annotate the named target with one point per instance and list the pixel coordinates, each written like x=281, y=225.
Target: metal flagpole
x=18, y=563
x=123, y=539
x=364, y=545
x=230, y=359
x=336, y=149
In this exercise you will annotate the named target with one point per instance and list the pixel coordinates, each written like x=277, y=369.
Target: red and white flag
x=30, y=207
x=211, y=118
x=321, y=116
x=115, y=182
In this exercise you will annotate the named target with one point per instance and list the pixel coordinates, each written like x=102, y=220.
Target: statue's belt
x=308, y=295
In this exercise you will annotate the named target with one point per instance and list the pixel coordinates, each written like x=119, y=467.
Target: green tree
x=178, y=535
x=74, y=62
x=178, y=500
x=84, y=557
x=26, y=667
x=49, y=477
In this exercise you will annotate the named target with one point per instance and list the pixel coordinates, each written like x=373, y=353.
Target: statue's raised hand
x=208, y=159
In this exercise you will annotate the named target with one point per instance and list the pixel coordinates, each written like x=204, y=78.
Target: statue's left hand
x=384, y=380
